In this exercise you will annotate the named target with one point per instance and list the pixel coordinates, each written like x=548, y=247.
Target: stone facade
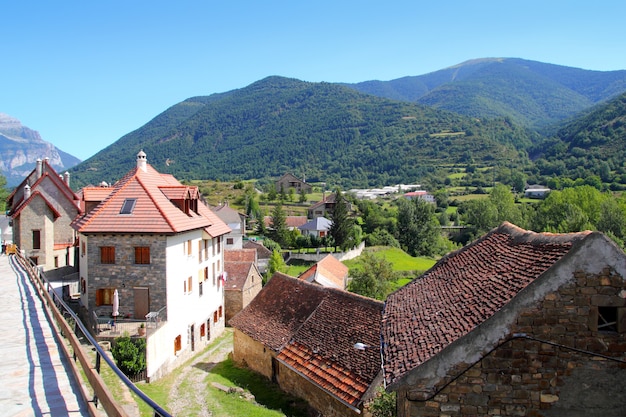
x=252, y=354
x=125, y=274
x=555, y=362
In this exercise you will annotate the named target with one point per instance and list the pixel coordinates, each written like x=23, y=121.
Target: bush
x=130, y=354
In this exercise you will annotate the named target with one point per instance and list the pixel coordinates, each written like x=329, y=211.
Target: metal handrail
x=100, y=353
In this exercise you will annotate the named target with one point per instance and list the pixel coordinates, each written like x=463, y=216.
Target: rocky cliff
x=20, y=147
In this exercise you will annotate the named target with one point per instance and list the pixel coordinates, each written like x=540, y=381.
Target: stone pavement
x=35, y=379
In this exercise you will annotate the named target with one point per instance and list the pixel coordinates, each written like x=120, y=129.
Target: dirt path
x=186, y=396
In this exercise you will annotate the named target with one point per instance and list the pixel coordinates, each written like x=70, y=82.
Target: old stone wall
x=296, y=385
x=556, y=361
x=252, y=354
x=125, y=274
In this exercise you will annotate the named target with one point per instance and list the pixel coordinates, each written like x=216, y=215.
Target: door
x=192, y=330
x=142, y=302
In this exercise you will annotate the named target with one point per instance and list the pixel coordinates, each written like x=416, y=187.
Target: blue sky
x=85, y=73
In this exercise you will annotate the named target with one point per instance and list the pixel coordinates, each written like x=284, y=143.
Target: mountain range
x=20, y=148
x=480, y=112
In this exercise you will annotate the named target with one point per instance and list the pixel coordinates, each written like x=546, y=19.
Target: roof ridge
x=163, y=214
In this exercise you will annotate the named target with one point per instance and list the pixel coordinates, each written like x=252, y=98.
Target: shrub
x=130, y=354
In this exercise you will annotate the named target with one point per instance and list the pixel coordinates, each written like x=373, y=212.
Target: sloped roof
x=317, y=224
x=228, y=214
x=290, y=221
x=262, y=252
x=314, y=329
x=32, y=197
x=462, y=291
x=329, y=272
x=48, y=175
x=237, y=273
x=153, y=211
x=329, y=199
x=240, y=255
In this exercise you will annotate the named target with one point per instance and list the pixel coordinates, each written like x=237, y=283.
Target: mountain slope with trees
x=530, y=93
x=591, y=145
x=322, y=131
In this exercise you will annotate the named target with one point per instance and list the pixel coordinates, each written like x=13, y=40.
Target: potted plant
x=142, y=329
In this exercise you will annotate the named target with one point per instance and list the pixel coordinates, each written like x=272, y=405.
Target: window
x=56, y=261
x=36, y=239
x=200, y=251
x=202, y=330
x=220, y=311
x=107, y=254
x=189, y=247
x=177, y=344
x=128, y=206
x=215, y=317
x=142, y=255
x=82, y=248
x=219, y=244
x=104, y=296
x=200, y=288
x=229, y=240
x=189, y=282
x=608, y=319
x=214, y=276
x=206, y=273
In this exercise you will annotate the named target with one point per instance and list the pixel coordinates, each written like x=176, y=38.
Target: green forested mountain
x=530, y=93
x=325, y=132
x=593, y=144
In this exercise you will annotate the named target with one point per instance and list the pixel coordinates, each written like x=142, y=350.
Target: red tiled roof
x=314, y=329
x=462, y=291
x=96, y=193
x=240, y=255
x=328, y=269
x=153, y=211
x=236, y=274
x=261, y=251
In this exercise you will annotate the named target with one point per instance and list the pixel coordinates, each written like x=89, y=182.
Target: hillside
x=529, y=93
x=325, y=132
x=20, y=147
x=593, y=144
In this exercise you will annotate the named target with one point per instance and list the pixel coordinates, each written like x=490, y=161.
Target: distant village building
x=263, y=254
x=153, y=241
x=318, y=227
x=237, y=223
x=516, y=323
x=288, y=181
x=329, y=272
x=536, y=191
x=320, y=344
x=243, y=280
x=41, y=209
x=422, y=195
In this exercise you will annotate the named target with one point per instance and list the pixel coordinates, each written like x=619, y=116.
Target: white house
x=154, y=241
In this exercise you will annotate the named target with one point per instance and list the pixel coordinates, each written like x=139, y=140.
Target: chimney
x=26, y=192
x=39, y=169
x=141, y=161
x=66, y=178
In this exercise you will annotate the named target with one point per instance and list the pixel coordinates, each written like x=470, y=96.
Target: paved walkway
x=35, y=379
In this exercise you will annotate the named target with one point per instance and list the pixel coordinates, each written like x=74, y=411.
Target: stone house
x=41, y=209
x=329, y=272
x=515, y=324
x=288, y=181
x=263, y=254
x=237, y=223
x=154, y=241
x=243, y=280
x=320, y=344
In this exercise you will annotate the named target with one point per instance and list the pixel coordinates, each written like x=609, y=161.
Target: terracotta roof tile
x=236, y=274
x=314, y=329
x=328, y=272
x=462, y=291
x=240, y=255
x=153, y=211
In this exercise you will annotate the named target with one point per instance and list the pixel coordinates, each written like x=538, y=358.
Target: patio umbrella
x=116, y=305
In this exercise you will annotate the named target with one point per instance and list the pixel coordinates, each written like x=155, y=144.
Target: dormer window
x=128, y=206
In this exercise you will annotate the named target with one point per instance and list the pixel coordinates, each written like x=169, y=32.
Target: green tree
x=280, y=231
x=276, y=263
x=504, y=201
x=130, y=354
x=4, y=193
x=341, y=223
x=302, y=198
x=373, y=277
x=418, y=228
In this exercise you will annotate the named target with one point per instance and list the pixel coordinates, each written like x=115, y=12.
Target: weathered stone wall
x=233, y=303
x=252, y=354
x=125, y=274
x=555, y=363
x=298, y=386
